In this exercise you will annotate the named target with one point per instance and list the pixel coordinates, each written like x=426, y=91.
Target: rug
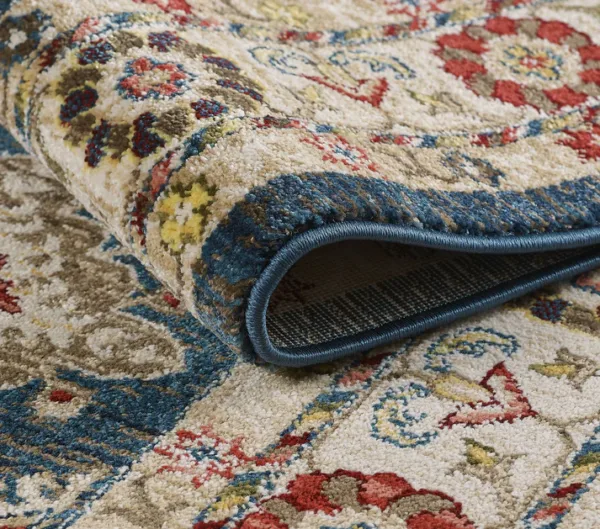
x=312, y=180
x=119, y=410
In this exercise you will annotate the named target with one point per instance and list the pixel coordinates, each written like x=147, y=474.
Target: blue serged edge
x=256, y=314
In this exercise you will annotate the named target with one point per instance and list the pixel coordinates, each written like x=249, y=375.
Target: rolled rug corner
x=314, y=192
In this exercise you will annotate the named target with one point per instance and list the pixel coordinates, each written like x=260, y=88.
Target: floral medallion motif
x=118, y=409
x=146, y=77
x=544, y=64
x=547, y=65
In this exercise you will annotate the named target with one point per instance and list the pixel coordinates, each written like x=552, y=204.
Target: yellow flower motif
x=293, y=14
x=541, y=63
x=199, y=196
x=183, y=214
x=169, y=204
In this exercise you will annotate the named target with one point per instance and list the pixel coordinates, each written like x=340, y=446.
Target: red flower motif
x=307, y=493
x=149, y=78
x=554, y=31
x=507, y=403
x=533, y=58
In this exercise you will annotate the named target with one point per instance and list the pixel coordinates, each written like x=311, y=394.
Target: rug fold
x=314, y=191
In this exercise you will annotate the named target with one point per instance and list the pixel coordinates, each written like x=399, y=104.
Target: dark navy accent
x=234, y=85
x=163, y=41
x=441, y=19
x=5, y=5
x=8, y=145
x=549, y=309
x=221, y=63
x=110, y=243
x=145, y=142
x=82, y=212
x=143, y=276
x=94, y=151
x=324, y=129
x=100, y=52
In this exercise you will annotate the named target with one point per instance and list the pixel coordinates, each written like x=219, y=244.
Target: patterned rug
x=197, y=198
x=316, y=179
x=118, y=410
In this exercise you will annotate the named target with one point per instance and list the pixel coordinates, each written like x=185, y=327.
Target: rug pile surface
x=193, y=192
x=225, y=143
x=119, y=410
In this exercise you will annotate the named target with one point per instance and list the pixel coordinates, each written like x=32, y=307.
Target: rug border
x=304, y=243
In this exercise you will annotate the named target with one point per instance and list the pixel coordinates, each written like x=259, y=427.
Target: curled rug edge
x=302, y=245
x=170, y=130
